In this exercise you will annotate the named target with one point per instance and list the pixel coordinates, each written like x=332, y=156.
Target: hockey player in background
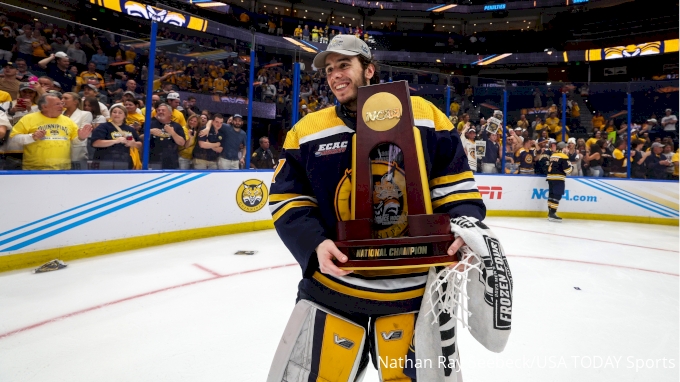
x=342, y=316
x=558, y=170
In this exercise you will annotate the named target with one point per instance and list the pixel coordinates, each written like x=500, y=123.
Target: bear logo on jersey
x=252, y=195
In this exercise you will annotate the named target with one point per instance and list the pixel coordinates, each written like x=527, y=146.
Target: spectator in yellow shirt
x=598, y=121
x=47, y=136
x=597, y=135
x=454, y=108
x=298, y=32
x=465, y=118
x=553, y=124
x=91, y=74
x=220, y=85
x=611, y=126
x=206, y=84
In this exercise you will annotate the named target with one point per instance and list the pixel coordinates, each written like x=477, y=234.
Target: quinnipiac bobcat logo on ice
x=252, y=195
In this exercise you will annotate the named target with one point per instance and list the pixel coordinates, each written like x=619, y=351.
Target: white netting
x=448, y=291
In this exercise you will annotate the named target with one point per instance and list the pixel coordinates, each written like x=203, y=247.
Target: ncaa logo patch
x=252, y=195
x=331, y=148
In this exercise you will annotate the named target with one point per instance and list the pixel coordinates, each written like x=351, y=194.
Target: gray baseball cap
x=561, y=145
x=657, y=144
x=344, y=44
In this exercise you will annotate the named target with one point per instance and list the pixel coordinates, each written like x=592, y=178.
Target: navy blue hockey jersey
x=311, y=189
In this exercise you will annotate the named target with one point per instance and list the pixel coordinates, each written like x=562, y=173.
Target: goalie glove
x=478, y=290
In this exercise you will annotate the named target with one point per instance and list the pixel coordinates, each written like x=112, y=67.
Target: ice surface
x=594, y=301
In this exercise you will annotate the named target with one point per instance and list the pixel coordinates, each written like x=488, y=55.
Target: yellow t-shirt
x=85, y=76
x=590, y=142
x=177, y=116
x=553, y=124
x=461, y=126
x=187, y=153
x=220, y=85
x=156, y=85
x=454, y=108
x=132, y=118
x=130, y=55
x=5, y=97
x=675, y=159
x=598, y=123
x=540, y=127
x=575, y=111
x=53, y=152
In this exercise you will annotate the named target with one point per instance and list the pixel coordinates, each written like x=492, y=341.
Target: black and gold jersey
x=542, y=162
x=560, y=167
x=311, y=192
x=525, y=159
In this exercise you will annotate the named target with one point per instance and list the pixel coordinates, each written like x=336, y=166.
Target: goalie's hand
x=325, y=253
x=453, y=249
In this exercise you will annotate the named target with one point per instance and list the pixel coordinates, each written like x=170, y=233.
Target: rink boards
x=77, y=215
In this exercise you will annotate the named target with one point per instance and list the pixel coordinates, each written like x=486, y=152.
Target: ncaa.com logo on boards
x=542, y=193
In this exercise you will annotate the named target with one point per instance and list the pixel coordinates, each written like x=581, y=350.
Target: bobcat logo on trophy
x=252, y=195
x=390, y=224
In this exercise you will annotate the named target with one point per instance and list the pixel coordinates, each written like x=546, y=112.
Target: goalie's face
x=344, y=75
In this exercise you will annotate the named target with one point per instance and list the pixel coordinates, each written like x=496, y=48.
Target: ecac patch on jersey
x=331, y=148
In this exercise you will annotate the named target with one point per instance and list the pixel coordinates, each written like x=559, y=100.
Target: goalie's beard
x=351, y=103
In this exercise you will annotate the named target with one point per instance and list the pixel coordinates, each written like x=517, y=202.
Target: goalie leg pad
x=318, y=345
x=393, y=337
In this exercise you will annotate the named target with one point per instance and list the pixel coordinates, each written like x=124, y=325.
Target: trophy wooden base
x=426, y=247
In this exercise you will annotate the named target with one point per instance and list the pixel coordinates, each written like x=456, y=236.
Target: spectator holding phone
x=113, y=140
x=25, y=104
x=595, y=160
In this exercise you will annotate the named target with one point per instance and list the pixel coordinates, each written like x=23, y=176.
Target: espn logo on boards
x=492, y=191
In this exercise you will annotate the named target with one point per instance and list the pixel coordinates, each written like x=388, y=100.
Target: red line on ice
x=583, y=238
x=79, y=312
x=199, y=266
x=593, y=263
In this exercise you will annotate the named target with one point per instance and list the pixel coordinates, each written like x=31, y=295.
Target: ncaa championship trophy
x=392, y=224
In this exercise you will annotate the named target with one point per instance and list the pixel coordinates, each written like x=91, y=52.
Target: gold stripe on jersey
x=392, y=272
x=556, y=177
x=393, y=336
x=456, y=198
x=376, y=296
x=288, y=206
x=423, y=171
x=310, y=124
x=425, y=110
x=282, y=197
x=451, y=179
x=335, y=361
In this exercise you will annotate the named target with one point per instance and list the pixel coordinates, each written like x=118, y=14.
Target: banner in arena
x=149, y=12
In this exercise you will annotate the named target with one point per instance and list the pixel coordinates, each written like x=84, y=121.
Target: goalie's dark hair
x=365, y=62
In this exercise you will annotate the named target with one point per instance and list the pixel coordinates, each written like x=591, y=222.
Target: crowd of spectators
x=92, y=73
x=600, y=152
